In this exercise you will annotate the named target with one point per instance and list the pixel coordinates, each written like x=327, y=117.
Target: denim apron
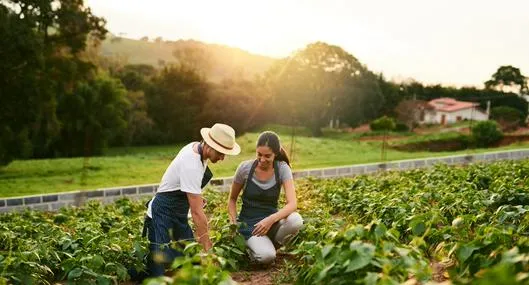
x=169, y=222
x=258, y=203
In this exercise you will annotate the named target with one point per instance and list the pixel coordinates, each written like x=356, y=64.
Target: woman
x=263, y=225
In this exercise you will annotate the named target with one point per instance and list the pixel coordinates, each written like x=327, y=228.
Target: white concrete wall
x=52, y=202
x=435, y=117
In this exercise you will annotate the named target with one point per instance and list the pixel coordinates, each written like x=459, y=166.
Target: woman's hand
x=263, y=226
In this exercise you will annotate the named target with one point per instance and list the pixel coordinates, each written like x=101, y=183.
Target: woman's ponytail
x=283, y=156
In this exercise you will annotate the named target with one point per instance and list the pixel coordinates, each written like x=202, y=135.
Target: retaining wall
x=52, y=202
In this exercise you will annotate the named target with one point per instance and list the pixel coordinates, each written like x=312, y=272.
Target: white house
x=448, y=110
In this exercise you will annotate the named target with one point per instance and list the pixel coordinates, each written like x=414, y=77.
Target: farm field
x=457, y=225
x=146, y=165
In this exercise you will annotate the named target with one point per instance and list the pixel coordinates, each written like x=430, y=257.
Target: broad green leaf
x=75, y=273
x=101, y=280
x=464, y=252
x=371, y=278
x=326, y=250
x=97, y=261
x=190, y=246
x=237, y=251
x=323, y=273
x=402, y=251
x=363, y=255
x=349, y=234
x=417, y=227
x=222, y=261
x=232, y=263
x=380, y=230
x=177, y=262
x=158, y=281
x=240, y=242
x=121, y=272
x=219, y=251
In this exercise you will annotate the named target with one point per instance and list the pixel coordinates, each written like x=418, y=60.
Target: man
x=180, y=191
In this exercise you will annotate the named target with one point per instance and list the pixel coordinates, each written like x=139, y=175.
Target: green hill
x=225, y=61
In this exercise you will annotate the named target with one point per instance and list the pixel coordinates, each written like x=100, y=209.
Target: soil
x=438, y=271
x=510, y=139
x=360, y=129
x=261, y=274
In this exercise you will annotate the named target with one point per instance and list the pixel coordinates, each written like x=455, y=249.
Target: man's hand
x=206, y=243
x=263, y=226
x=196, y=202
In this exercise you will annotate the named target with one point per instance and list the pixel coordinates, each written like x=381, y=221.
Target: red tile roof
x=450, y=104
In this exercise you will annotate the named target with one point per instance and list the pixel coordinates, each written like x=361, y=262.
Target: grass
x=146, y=165
x=432, y=137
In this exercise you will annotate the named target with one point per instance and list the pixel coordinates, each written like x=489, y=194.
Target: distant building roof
x=450, y=104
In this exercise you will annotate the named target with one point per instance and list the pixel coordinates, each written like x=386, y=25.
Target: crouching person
x=180, y=191
x=265, y=228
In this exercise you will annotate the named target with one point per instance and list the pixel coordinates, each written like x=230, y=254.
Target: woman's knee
x=264, y=256
x=261, y=249
x=295, y=221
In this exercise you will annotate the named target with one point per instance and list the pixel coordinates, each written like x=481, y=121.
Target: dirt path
x=253, y=278
x=262, y=275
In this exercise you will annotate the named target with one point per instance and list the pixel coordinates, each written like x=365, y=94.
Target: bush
x=401, y=127
x=486, y=133
x=509, y=118
x=383, y=124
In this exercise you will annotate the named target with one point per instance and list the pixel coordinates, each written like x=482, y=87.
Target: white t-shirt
x=185, y=173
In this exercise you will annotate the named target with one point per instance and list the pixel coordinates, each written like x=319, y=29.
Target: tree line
x=60, y=98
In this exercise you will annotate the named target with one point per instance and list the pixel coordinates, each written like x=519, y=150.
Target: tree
x=20, y=51
x=139, y=124
x=322, y=82
x=239, y=103
x=136, y=77
x=91, y=116
x=41, y=49
x=391, y=94
x=174, y=101
x=507, y=117
x=508, y=76
x=196, y=57
x=409, y=112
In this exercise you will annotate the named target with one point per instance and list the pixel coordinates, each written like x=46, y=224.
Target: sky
x=449, y=42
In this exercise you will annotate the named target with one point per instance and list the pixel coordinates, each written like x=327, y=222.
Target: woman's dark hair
x=271, y=140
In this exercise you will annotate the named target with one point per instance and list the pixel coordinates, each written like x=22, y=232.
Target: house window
x=459, y=118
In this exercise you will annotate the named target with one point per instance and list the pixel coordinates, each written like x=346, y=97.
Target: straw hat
x=221, y=137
